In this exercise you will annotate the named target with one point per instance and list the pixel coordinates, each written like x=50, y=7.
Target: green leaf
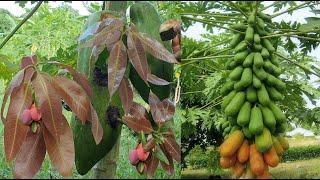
x=160, y=155
x=312, y=23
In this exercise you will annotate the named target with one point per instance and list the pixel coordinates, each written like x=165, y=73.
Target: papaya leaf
x=312, y=23
x=14, y=131
x=157, y=49
x=73, y=94
x=96, y=128
x=31, y=156
x=126, y=94
x=137, y=55
x=61, y=149
x=117, y=63
x=156, y=80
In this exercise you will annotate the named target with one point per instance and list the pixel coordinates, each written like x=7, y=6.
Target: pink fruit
x=35, y=115
x=26, y=117
x=133, y=157
x=142, y=155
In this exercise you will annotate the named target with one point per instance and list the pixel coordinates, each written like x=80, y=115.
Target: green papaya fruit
x=274, y=59
x=258, y=60
x=256, y=121
x=232, y=64
x=278, y=114
x=235, y=40
x=239, y=27
x=234, y=128
x=271, y=68
x=236, y=73
x=267, y=44
x=265, y=17
x=252, y=18
x=246, y=77
x=249, y=34
x=227, y=99
x=256, y=81
x=264, y=141
x=252, y=95
x=232, y=121
x=248, y=60
x=247, y=132
x=265, y=53
x=241, y=46
x=235, y=104
x=227, y=87
x=244, y=114
x=256, y=39
x=274, y=94
x=260, y=73
x=268, y=118
x=240, y=56
x=263, y=95
x=260, y=23
x=277, y=83
x=261, y=32
x=257, y=47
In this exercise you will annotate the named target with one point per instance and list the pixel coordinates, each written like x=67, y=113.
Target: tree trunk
x=107, y=166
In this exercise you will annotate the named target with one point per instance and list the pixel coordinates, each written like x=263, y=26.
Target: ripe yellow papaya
x=230, y=146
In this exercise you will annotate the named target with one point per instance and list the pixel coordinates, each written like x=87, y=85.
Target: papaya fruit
x=232, y=120
x=227, y=130
x=248, y=173
x=257, y=47
x=241, y=46
x=227, y=65
x=235, y=40
x=248, y=60
x=249, y=34
x=271, y=68
x=277, y=146
x=227, y=162
x=256, y=39
x=260, y=23
x=244, y=114
x=238, y=169
x=227, y=87
x=258, y=60
x=256, y=81
x=260, y=73
x=238, y=86
x=274, y=94
x=227, y=99
x=265, y=175
x=268, y=118
x=271, y=157
x=256, y=121
x=257, y=164
x=232, y=64
x=265, y=17
x=235, y=104
x=234, y=128
x=267, y=44
x=251, y=95
x=277, y=83
x=274, y=59
x=252, y=18
x=247, y=132
x=239, y=27
x=243, y=152
x=263, y=141
x=261, y=32
x=236, y=73
x=230, y=146
x=246, y=77
x=284, y=142
x=263, y=96
x=278, y=114
x=240, y=56
x=265, y=53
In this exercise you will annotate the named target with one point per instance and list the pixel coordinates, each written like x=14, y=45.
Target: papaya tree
x=116, y=52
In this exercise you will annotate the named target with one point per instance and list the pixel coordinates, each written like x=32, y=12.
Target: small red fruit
x=133, y=157
x=35, y=115
x=142, y=155
x=26, y=117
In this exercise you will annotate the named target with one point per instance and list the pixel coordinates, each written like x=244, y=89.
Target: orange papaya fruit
x=271, y=157
x=256, y=161
x=231, y=144
x=243, y=152
x=227, y=162
x=238, y=169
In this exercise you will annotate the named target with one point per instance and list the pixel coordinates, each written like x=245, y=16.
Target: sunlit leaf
x=156, y=80
x=96, y=128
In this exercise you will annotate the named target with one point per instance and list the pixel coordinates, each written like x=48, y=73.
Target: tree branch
x=289, y=34
x=20, y=24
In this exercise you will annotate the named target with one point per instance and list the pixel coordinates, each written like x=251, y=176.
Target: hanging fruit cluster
x=254, y=121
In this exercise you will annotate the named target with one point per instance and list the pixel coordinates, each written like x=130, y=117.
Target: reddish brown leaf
x=138, y=111
x=117, y=63
x=73, y=94
x=14, y=131
x=137, y=55
x=168, y=168
x=49, y=103
x=89, y=31
x=172, y=147
x=96, y=51
x=156, y=80
x=96, y=128
x=150, y=144
x=157, y=49
x=126, y=95
x=61, y=149
x=28, y=60
x=15, y=82
x=161, y=111
x=31, y=156
x=79, y=77
x=152, y=163
x=138, y=124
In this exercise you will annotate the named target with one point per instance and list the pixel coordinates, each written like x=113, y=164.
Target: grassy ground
x=124, y=168
x=298, y=140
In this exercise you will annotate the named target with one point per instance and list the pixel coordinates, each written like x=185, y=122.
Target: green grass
x=124, y=168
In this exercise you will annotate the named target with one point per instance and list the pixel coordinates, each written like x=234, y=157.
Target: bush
x=301, y=153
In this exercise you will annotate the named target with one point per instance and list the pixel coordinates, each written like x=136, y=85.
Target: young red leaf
x=152, y=163
x=156, y=80
x=89, y=31
x=73, y=94
x=96, y=128
x=117, y=63
x=168, y=168
x=31, y=156
x=138, y=111
x=137, y=55
x=28, y=60
x=138, y=125
x=157, y=49
x=61, y=149
x=149, y=145
x=172, y=147
x=126, y=95
x=161, y=111
x=14, y=131
x=96, y=51
x=49, y=103
x=15, y=82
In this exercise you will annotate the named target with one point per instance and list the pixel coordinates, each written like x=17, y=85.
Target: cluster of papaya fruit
x=250, y=94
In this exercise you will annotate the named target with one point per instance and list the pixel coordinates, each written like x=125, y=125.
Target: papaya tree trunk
x=107, y=166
